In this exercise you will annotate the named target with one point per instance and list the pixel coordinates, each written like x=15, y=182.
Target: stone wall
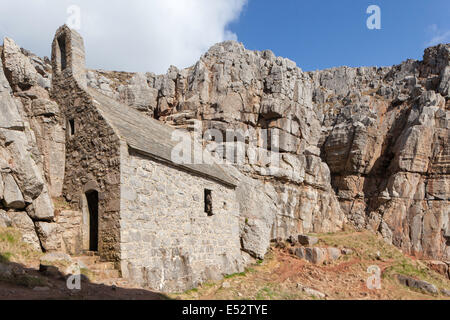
x=168, y=241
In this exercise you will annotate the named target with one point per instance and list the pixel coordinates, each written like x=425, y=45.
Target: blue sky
x=322, y=34
x=151, y=35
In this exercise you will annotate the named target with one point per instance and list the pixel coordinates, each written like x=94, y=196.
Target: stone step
x=90, y=253
x=105, y=274
x=101, y=266
x=88, y=260
x=102, y=271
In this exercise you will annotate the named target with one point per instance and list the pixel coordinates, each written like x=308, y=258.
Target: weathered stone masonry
x=92, y=149
x=151, y=212
x=168, y=240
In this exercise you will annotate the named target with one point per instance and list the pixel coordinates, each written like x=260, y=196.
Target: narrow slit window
x=208, y=202
x=72, y=127
x=62, y=52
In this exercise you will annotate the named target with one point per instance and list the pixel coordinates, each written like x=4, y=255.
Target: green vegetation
x=27, y=281
x=234, y=275
x=13, y=249
x=15, y=253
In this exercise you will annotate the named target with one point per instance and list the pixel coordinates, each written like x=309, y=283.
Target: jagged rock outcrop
x=385, y=138
x=365, y=144
x=25, y=198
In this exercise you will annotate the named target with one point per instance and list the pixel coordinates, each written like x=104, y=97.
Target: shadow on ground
x=18, y=282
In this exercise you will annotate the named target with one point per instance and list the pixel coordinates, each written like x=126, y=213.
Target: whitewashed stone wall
x=168, y=242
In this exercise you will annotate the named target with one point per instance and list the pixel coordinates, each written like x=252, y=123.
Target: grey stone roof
x=150, y=137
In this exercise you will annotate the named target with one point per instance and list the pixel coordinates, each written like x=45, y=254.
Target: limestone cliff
x=362, y=145
x=31, y=147
x=365, y=144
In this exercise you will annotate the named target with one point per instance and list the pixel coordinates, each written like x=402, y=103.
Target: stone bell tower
x=68, y=57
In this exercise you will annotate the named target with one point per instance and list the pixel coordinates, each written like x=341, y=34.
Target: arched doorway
x=92, y=201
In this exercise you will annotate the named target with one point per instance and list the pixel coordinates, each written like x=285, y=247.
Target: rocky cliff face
x=367, y=146
x=385, y=138
x=32, y=141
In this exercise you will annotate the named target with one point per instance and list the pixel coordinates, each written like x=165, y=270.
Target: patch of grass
x=408, y=269
x=234, y=275
x=266, y=293
x=87, y=273
x=30, y=281
x=365, y=244
x=191, y=291
x=9, y=236
x=372, y=248
x=250, y=270
x=271, y=279
x=13, y=249
x=208, y=285
x=416, y=270
x=5, y=257
x=25, y=280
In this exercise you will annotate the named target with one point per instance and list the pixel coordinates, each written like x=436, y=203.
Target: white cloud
x=438, y=36
x=135, y=35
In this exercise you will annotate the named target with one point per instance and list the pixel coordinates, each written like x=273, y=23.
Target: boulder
x=333, y=253
x=257, y=210
x=314, y=293
x=300, y=252
x=315, y=255
x=22, y=222
x=418, y=284
x=12, y=197
x=439, y=266
x=347, y=251
x=54, y=263
x=42, y=208
x=21, y=159
x=48, y=234
x=6, y=270
x=311, y=292
x=19, y=70
x=307, y=240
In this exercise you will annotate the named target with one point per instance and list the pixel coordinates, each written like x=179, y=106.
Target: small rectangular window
x=208, y=202
x=72, y=127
